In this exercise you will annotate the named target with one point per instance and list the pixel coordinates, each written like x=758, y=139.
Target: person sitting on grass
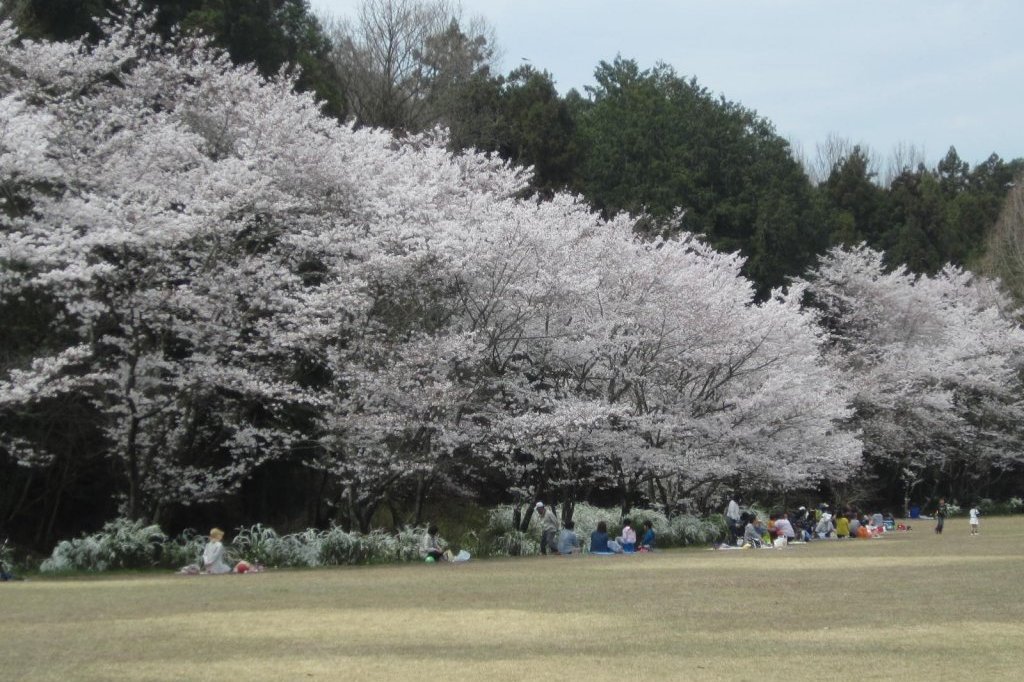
x=628, y=538
x=647, y=541
x=753, y=532
x=568, y=541
x=599, y=542
x=784, y=529
x=432, y=548
x=825, y=527
x=213, y=554
x=842, y=527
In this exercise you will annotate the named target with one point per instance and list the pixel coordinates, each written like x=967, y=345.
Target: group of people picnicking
x=747, y=529
x=562, y=539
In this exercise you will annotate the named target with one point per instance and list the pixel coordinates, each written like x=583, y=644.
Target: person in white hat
x=548, y=528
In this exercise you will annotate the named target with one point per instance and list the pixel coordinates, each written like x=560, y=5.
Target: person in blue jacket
x=599, y=538
x=647, y=541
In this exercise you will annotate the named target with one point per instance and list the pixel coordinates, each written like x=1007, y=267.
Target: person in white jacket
x=733, y=518
x=548, y=529
x=628, y=538
x=213, y=553
x=432, y=547
x=825, y=527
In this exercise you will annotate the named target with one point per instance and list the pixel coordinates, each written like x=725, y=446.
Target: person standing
x=548, y=529
x=733, y=518
x=940, y=515
x=975, y=513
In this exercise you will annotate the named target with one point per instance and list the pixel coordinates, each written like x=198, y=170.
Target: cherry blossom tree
x=169, y=226
x=933, y=363
x=228, y=278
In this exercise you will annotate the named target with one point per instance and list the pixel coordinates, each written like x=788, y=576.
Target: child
x=940, y=516
x=975, y=513
x=213, y=553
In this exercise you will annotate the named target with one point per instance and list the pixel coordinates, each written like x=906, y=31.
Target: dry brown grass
x=914, y=607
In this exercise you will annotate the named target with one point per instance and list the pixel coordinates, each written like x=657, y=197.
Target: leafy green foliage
x=121, y=544
x=653, y=142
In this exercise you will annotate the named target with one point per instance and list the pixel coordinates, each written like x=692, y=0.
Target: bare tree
x=828, y=155
x=400, y=58
x=833, y=153
x=903, y=157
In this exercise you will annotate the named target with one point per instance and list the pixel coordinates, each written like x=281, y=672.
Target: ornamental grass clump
x=500, y=519
x=336, y=547
x=300, y=549
x=340, y=548
x=685, y=531
x=186, y=548
x=658, y=521
x=6, y=557
x=586, y=517
x=121, y=544
x=259, y=545
x=515, y=543
x=502, y=537
x=407, y=544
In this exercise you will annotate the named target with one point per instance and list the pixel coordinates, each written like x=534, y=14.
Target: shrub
x=684, y=531
x=121, y=544
x=515, y=543
x=260, y=545
x=183, y=550
x=470, y=541
x=586, y=517
x=407, y=544
x=499, y=520
x=336, y=547
x=378, y=547
x=131, y=544
x=6, y=557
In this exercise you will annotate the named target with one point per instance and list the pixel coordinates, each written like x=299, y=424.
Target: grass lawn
x=914, y=606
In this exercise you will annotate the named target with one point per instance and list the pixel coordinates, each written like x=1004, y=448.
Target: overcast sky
x=931, y=73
